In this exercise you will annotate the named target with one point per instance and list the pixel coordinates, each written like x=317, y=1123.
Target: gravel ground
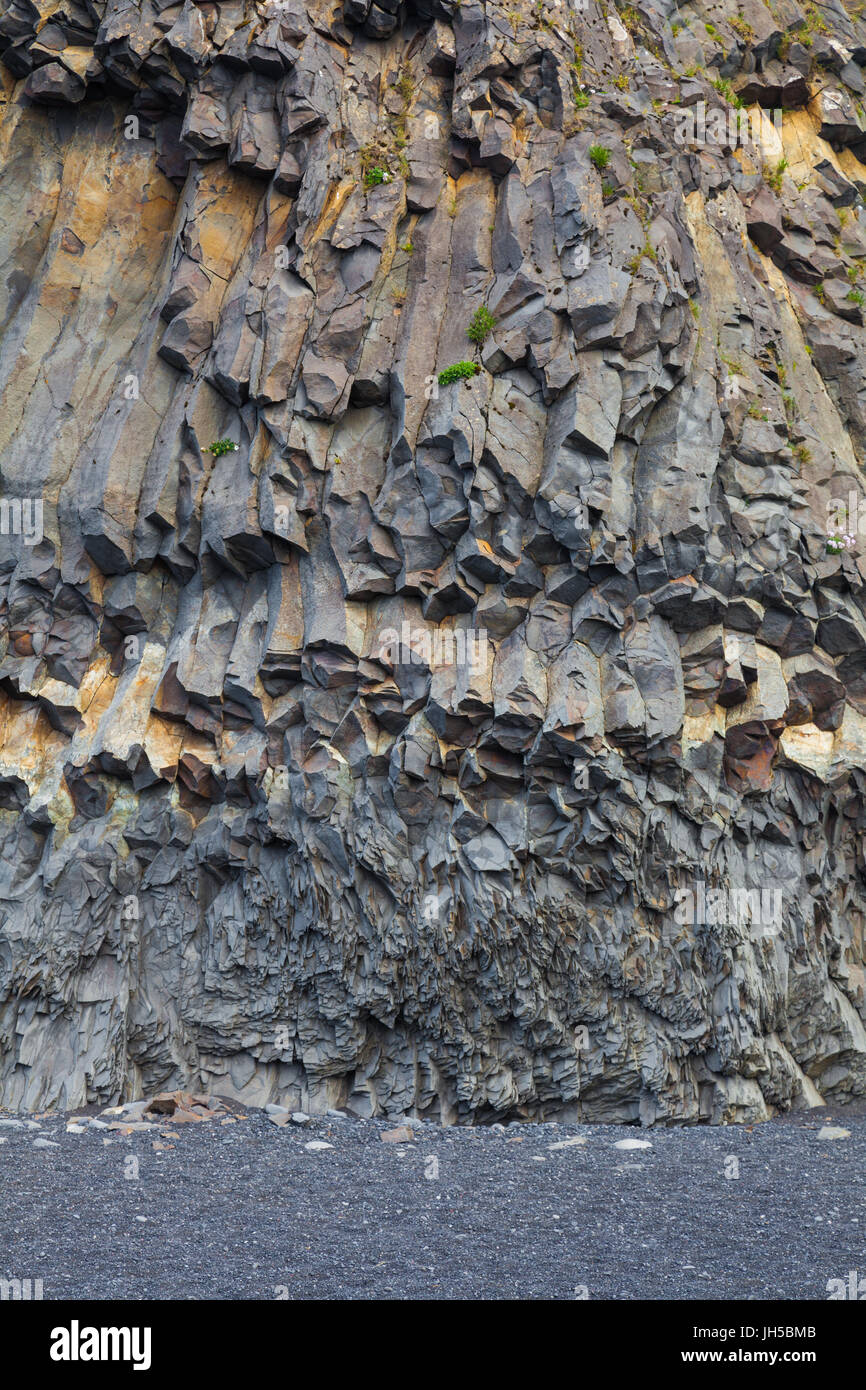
x=245, y=1211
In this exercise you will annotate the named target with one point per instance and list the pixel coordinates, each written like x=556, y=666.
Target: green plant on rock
x=639, y=208
x=222, y=446
x=480, y=325
x=815, y=23
x=458, y=371
x=837, y=543
x=724, y=89
x=856, y=297
x=375, y=176
x=773, y=175
x=370, y=154
x=647, y=252
x=405, y=85
x=600, y=156
x=581, y=100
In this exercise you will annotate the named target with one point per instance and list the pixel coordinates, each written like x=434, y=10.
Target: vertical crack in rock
x=432, y=540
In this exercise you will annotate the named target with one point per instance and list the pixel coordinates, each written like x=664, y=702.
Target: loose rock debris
x=142, y=1116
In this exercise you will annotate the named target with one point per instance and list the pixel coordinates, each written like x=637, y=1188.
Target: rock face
x=488, y=748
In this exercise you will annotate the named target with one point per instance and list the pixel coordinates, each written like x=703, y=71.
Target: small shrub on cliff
x=724, y=89
x=480, y=325
x=405, y=85
x=222, y=446
x=459, y=371
x=836, y=544
x=773, y=176
x=600, y=156
x=375, y=176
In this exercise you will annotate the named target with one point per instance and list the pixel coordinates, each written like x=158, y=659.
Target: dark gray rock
x=380, y=743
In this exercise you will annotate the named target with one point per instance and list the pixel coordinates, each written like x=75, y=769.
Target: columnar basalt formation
x=268, y=827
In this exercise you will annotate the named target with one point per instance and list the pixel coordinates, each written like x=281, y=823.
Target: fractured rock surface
x=369, y=758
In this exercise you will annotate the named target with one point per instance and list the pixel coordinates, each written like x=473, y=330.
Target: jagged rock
x=55, y=85
x=374, y=729
x=838, y=120
x=764, y=220
x=776, y=85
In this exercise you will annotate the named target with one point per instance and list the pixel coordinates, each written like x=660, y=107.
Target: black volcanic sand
x=246, y=1211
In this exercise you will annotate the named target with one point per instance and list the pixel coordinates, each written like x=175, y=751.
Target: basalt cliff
x=484, y=743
